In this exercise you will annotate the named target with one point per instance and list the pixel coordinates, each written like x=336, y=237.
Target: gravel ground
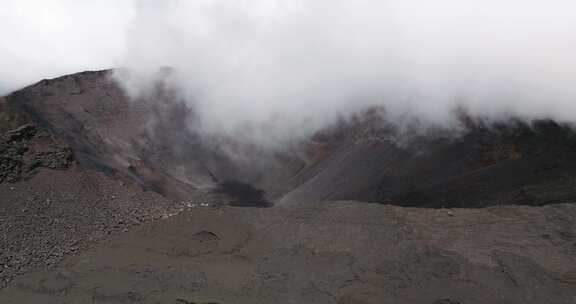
x=57, y=213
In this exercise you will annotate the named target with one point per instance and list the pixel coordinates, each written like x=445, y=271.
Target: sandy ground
x=342, y=252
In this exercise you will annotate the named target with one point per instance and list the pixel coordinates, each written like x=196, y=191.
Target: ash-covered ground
x=106, y=200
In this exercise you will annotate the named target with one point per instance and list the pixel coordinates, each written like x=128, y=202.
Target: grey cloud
x=285, y=68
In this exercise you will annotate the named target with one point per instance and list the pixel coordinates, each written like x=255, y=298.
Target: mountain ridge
x=152, y=141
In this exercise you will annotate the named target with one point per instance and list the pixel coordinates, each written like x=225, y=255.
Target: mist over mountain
x=271, y=72
x=231, y=90
x=155, y=142
x=287, y=151
x=108, y=199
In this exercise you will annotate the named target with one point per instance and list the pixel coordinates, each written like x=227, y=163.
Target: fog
x=271, y=71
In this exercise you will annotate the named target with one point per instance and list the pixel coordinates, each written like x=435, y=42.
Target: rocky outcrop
x=26, y=149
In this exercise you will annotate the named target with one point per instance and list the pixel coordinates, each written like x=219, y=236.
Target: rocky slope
x=153, y=141
x=107, y=200
x=50, y=207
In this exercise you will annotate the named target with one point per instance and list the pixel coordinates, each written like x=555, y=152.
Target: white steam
x=277, y=70
x=284, y=68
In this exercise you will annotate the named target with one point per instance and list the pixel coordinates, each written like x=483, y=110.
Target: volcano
x=99, y=186
x=150, y=141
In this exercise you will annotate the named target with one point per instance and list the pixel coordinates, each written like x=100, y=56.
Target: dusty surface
x=344, y=252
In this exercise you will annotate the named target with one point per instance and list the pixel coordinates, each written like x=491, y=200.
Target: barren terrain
x=109, y=200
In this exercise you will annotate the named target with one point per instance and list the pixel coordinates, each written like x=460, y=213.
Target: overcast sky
x=47, y=38
x=302, y=61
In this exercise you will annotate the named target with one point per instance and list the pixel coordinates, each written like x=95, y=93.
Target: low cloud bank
x=271, y=71
x=274, y=70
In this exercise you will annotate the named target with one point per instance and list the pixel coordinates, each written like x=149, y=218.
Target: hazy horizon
x=300, y=64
